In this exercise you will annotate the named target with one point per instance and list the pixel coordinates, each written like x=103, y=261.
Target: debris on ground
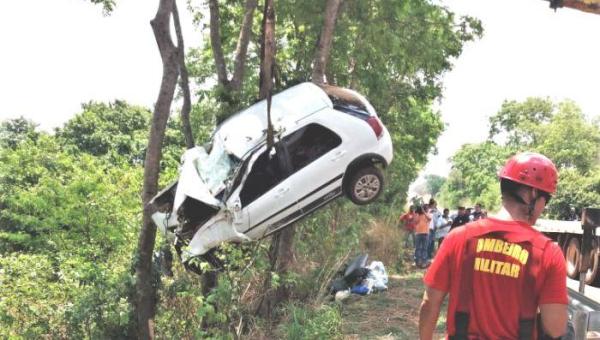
x=360, y=279
x=393, y=315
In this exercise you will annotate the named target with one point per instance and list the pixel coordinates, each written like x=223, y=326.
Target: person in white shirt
x=435, y=215
x=443, y=227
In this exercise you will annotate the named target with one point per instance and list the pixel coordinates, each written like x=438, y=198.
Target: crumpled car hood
x=191, y=184
x=201, y=177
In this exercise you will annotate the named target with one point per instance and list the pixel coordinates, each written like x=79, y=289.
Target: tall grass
x=385, y=242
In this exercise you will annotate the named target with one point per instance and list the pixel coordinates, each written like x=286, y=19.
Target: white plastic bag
x=377, y=276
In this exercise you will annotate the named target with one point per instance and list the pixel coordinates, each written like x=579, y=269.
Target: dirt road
x=393, y=314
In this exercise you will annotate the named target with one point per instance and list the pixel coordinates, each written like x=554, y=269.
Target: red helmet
x=532, y=169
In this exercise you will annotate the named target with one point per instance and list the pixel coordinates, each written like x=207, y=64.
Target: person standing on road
x=421, y=234
x=435, y=216
x=461, y=218
x=408, y=221
x=500, y=271
x=443, y=228
x=478, y=213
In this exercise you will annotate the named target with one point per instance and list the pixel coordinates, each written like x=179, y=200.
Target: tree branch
x=161, y=29
x=242, y=45
x=183, y=82
x=268, y=50
x=215, y=42
x=322, y=52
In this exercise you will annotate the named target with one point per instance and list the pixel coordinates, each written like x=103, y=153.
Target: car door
x=265, y=194
x=315, y=154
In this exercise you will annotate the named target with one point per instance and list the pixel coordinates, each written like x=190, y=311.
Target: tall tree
x=516, y=123
x=235, y=82
x=215, y=42
x=559, y=131
x=325, y=40
x=569, y=139
x=434, y=183
x=473, y=177
x=184, y=82
x=116, y=129
x=280, y=253
x=15, y=131
x=145, y=290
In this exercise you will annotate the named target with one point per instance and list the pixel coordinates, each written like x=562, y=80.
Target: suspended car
x=329, y=142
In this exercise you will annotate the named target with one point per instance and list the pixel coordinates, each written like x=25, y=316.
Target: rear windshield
x=351, y=109
x=346, y=101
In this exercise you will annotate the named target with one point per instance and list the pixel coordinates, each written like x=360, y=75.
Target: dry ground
x=393, y=314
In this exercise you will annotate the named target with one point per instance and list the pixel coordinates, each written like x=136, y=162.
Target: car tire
x=591, y=276
x=573, y=256
x=365, y=185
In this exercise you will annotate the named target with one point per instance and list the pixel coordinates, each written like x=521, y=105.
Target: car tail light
x=375, y=125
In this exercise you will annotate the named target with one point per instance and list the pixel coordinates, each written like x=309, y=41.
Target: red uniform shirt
x=494, y=307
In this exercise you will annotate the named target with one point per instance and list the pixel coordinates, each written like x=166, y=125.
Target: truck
x=569, y=235
x=579, y=243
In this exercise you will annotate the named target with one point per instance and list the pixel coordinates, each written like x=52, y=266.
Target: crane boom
x=589, y=6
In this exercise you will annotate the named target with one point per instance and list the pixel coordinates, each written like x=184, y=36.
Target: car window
x=268, y=171
x=309, y=143
x=239, y=175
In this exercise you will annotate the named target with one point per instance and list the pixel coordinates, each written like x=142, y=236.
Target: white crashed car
x=328, y=142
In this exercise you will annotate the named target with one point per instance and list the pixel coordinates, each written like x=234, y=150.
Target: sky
x=527, y=50
x=62, y=53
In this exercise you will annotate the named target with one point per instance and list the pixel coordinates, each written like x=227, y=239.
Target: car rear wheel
x=365, y=185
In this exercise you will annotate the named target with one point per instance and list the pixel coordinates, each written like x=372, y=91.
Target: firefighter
x=500, y=271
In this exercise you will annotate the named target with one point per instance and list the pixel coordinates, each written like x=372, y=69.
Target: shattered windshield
x=216, y=167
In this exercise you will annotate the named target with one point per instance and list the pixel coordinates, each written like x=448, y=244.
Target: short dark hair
x=511, y=189
x=432, y=201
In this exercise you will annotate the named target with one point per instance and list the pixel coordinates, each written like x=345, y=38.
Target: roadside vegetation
x=561, y=131
x=70, y=200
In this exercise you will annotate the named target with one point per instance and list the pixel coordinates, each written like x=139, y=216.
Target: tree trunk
x=145, y=290
x=281, y=256
x=184, y=82
x=215, y=42
x=285, y=257
x=324, y=46
x=281, y=250
x=267, y=50
x=209, y=279
x=242, y=46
